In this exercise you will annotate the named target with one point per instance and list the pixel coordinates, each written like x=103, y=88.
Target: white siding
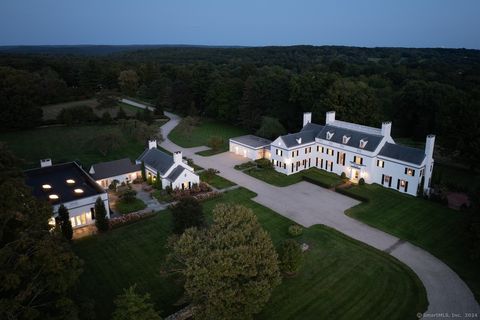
x=245, y=151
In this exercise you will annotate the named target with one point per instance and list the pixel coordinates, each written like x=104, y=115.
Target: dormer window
x=363, y=143
x=345, y=139
x=299, y=140
x=330, y=135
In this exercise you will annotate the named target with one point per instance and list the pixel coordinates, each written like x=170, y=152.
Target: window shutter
x=413, y=173
x=344, y=156
x=355, y=159
x=337, y=156
x=390, y=182
x=406, y=186
x=361, y=160
x=383, y=178
x=398, y=184
x=405, y=170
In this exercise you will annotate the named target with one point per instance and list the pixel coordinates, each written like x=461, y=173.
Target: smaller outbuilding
x=122, y=170
x=250, y=146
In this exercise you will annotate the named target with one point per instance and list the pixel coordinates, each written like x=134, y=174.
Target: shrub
x=295, y=230
x=361, y=181
x=264, y=163
x=128, y=195
x=290, y=256
x=343, y=175
x=129, y=218
x=210, y=173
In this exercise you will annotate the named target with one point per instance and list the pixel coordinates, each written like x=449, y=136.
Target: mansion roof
x=403, y=153
x=353, y=136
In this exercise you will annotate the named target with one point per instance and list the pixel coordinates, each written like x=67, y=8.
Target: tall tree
x=37, y=267
x=65, y=223
x=128, y=81
x=231, y=268
x=133, y=306
x=101, y=219
x=187, y=213
x=271, y=128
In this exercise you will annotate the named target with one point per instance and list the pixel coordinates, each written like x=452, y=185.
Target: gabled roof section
x=300, y=138
x=316, y=128
x=252, y=141
x=113, y=168
x=402, y=153
x=176, y=173
x=157, y=160
x=355, y=137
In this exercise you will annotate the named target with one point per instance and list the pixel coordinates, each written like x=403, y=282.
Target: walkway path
x=308, y=204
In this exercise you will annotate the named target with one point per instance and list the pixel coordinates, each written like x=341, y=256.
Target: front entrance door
x=355, y=174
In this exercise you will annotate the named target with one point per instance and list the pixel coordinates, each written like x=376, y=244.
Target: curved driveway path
x=446, y=292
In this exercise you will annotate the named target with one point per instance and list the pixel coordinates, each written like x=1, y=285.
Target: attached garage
x=251, y=147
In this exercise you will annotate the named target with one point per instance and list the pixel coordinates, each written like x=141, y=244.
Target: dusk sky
x=401, y=23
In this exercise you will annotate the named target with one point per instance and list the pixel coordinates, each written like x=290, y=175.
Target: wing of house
x=122, y=170
x=172, y=169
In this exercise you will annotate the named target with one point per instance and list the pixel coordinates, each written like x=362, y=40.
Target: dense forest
x=421, y=90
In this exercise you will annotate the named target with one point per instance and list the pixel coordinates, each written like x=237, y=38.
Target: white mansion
x=358, y=151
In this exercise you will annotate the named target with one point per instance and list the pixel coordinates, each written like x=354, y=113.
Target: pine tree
x=158, y=181
x=133, y=306
x=65, y=223
x=144, y=174
x=101, y=215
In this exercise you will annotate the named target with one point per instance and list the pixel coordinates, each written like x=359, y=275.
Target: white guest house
x=70, y=185
x=173, y=170
x=358, y=151
x=122, y=171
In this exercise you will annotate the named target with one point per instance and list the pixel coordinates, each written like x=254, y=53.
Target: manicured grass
x=340, y=278
x=441, y=231
x=132, y=206
x=68, y=144
x=199, y=135
x=271, y=176
x=211, y=152
x=216, y=181
x=245, y=165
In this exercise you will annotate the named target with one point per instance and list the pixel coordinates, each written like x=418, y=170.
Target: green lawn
x=127, y=207
x=340, y=279
x=326, y=179
x=436, y=228
x=216, y=181
x=67, y=144
x=200, y=134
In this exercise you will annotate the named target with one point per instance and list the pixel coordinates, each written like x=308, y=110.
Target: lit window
x=358, y=160
x=402, y=183
x=330, y=152
x=409, y=172
x=70, y=181
x=53, y=197
x=78, y=191
x=46, y=187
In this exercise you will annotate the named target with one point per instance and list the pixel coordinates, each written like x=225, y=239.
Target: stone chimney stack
x=429, y=146
x=330, y=117
x=45, y=163
x=177, y=157
x=386, y=128
x=307, y=118
x=152, y=144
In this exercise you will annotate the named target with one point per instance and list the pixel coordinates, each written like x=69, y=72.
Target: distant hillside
x=88, y=50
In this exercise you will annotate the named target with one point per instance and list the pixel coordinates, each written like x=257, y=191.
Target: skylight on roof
x=46, y=187
x=78, y=191
x=53, y=197
x=70, y=181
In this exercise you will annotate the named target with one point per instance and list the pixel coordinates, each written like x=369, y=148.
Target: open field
x=67, y=144
x=325, y=179
x=200, y=135
x=340, y=279
x=436, y=228
x=50, y=112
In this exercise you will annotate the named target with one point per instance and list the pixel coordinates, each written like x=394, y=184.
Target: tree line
x=422, y=90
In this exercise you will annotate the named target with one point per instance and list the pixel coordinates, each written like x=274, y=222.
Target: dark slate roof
x=56, y=177
x=114, y=168
x=291, y=140
x=175, y=173
x=312, y=127
x=355, y=137
x=157, y=159
x=403, y=153
x=252, y=141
